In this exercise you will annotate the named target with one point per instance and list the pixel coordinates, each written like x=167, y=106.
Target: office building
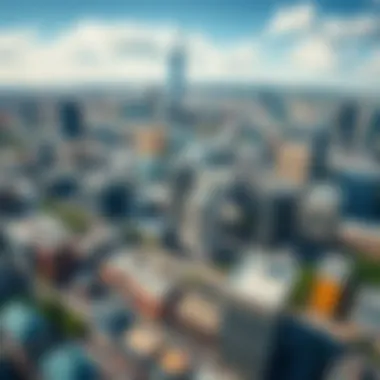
x=260, y=287
x=347, y=125
x=182, y=180
x=278, y=211
x=292, y=161
x=302, y=351
x=72, y=122
x=320, y=148
x=373, y=136
x=359, y=181
x=194, y=232
x=115, y=199
x=318, y=220
x=319, y=212
x=220, y=215
x=147, y=280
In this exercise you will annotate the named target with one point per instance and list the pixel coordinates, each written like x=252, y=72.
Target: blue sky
x=325, y=41
x=220, y=17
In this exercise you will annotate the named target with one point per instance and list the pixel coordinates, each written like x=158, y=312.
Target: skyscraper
x=176, y=76
x=373, y=136
x=347, y=121
x=320, y=145
x=71, y=119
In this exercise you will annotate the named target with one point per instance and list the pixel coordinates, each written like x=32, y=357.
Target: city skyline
x=325, y=43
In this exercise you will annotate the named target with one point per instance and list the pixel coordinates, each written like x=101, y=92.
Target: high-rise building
x=318, y=220
x=71, y=118
x=293, y=161
x=320, y=144
x=176, y=77
x=373, y=137
x=278, y=212
x=302, y=351
x=347, y=125
x=260, y=287
x=359, y=180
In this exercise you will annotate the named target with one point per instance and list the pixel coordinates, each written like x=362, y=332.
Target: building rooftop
x=41, y=230
x=264, y=280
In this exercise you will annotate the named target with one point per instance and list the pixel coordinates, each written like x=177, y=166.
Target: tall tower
x=71, y=117
x=373, y=135
x=176, y=85
x=347, y=121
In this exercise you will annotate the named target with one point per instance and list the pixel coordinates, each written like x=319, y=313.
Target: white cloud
x=86, y=52
x=314, y=55
x=228, y=63
x=362, y=26
x=96, y=51
x=371, y=67
x=292, y=19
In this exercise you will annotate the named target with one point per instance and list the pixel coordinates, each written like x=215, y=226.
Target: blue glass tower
x=360, y=188
x=301, y=352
